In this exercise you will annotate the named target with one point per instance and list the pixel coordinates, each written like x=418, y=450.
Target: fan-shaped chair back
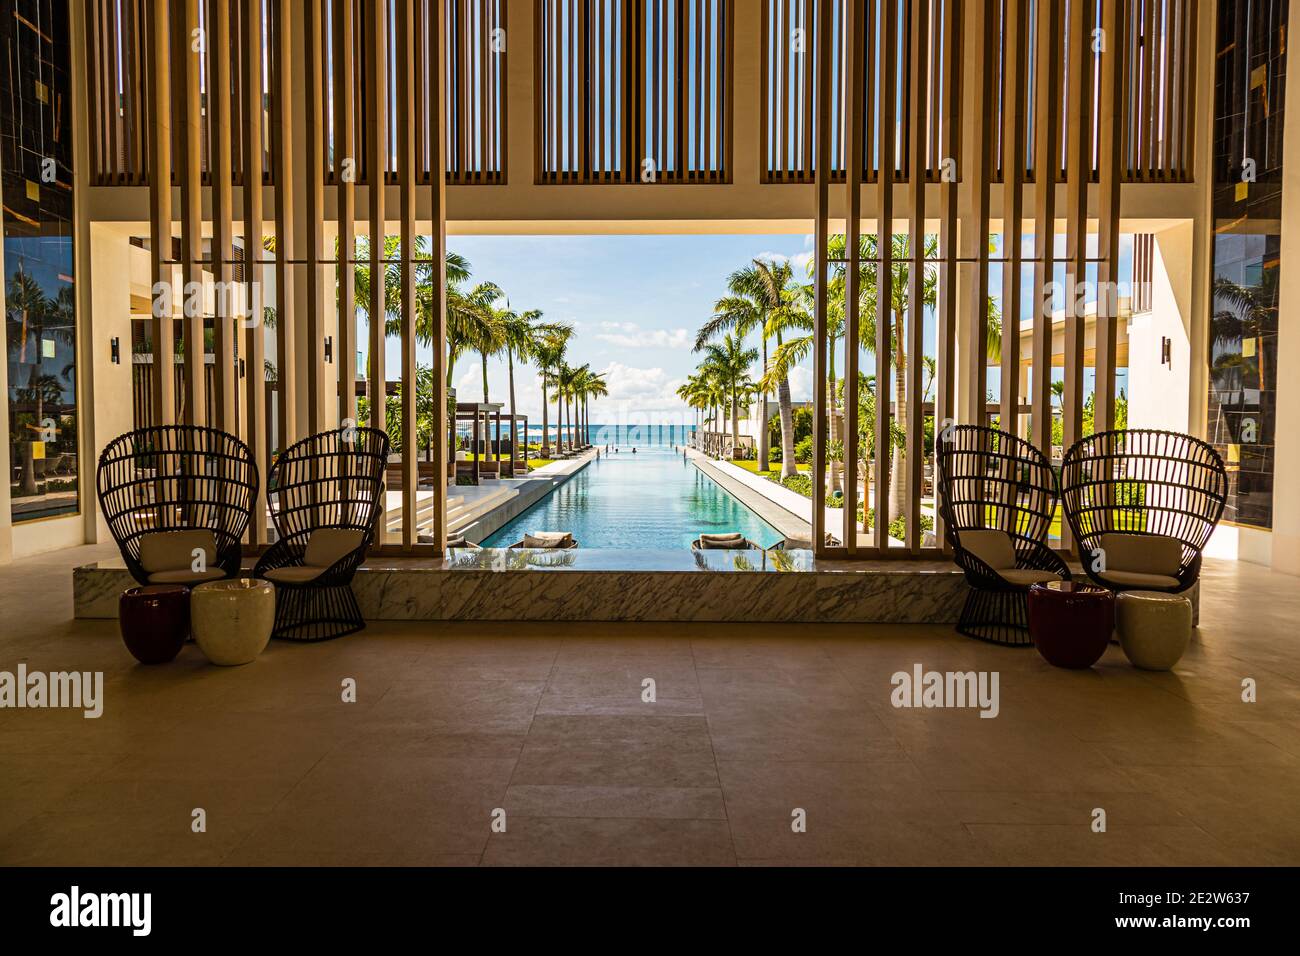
x=990, y=479
x=1143, y=481
x=174, y=478
x=333, y=479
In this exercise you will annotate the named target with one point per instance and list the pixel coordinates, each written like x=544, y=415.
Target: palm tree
x=694, y=392
x=754, y=294
x=548, y=353
x=521, y=332
x=729, y=362
x=588, y=385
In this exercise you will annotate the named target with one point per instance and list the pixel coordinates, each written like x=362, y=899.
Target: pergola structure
x=482, y=415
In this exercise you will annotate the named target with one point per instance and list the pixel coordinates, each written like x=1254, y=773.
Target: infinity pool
x=653, y=499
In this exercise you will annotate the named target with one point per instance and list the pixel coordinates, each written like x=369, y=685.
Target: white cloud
x=629, y=335
x=798, y=262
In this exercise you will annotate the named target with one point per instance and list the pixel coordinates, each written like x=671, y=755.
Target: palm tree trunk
x=762, y=436
x=510, y=371
x=546, y=425
x=832, y=467
x=735, y=422
x=789, y=467
x=897, y=456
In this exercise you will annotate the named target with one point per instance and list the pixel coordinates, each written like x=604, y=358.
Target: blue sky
x=634, y=301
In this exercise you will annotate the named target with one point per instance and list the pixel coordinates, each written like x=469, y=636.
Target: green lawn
x=751, y=465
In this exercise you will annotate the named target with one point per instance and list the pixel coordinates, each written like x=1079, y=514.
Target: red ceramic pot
x=155, y=621
x=1071, y=623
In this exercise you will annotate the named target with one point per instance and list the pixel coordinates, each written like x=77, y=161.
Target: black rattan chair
x=170, y=491
x=328, y=500
x=1141, y=505
x=997, y=496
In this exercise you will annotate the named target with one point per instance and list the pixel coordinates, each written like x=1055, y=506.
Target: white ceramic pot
x=1154, y=627
x=232, y=620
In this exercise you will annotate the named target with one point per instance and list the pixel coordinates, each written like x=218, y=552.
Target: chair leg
x=316, y=614
x=998, y=617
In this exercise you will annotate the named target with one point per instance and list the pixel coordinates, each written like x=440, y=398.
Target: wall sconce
x=1166, y=351
x=329, y=349
x=116, y=345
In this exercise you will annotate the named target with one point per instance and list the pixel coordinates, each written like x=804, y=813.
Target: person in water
x=634, y=451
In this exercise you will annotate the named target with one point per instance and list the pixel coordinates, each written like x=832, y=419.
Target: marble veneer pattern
x=498, y=585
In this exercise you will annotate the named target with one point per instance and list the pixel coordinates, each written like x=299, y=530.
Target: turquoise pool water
x=654, y=499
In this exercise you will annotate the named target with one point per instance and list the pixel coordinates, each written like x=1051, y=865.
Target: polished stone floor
x=544, y=729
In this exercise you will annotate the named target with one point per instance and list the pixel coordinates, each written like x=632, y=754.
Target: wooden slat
x=345, y=149
x=1110, y=103
x=258, y=432
x=160, y=211
x=976, y=178
x=225, y=374
x=283, y=66
x=917, y=128
x=855, y=33
x=1047, y=111
x=822, y=46
x=438, y=251
x=312, y=172
x=949, y=194
x=376, y=83
x=405, y=52
x=186, y=61
x=1015, y=32
x=886, y=136
x=1078, y=163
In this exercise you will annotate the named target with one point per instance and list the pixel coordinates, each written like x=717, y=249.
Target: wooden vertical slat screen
x=345, y=151
x=948, y=148
x=885, y=176
x=854, y=27
x=821, y=45
x=1110, y=104
x=1015, y=33
x=220, y=100
x=313, y=212
x=977, y=175
x=160, y=206
x=283, y=65
x=376, y=99
x=186, y=60
x=919, y=159
x=406, y=93
x=633, y=91
x=118, y=78
x=1079, y=83
x=1047, y=151
x=1159, y=41
x=258, y=432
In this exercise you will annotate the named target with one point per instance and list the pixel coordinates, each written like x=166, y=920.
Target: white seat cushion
x=991, y=546
x=1136, y=579
x=328, y=545
x=174, y=550
x=294, y=575
x=1027, y=576
x=548, y=539
x=1141, y=553
x=186, y=576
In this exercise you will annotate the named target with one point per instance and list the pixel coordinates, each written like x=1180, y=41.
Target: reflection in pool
x=653, y=499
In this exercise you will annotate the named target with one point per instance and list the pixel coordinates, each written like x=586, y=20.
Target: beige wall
x=1286, y=473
